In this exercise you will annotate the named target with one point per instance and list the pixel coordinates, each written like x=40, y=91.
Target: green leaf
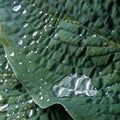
x=43, y=49
x=15, y=102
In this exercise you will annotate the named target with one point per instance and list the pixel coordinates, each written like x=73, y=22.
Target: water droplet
x=30, y=101
x=1, y=98
x=18, y=116
x=20, y=42
x=24, y=36
x=40, y=87
x=25, y=25
x=32, y=42
x=16, y=7
x=40, y=12
x=3, y=107
x=6, y=66
x=20, y=63
x=74, y=85
x=12, y=54
x=48, y=100
x=93, y=35
x=41, y=98
x=30, y=113
x=24, y=12
x=34, y=33
x=45, y=83
x=56, y=36
x=16, y=106
x=46, y=47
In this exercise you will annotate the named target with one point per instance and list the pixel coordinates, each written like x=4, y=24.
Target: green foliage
x=45, y=41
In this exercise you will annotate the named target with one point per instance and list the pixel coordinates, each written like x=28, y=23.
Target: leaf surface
x=43, y=49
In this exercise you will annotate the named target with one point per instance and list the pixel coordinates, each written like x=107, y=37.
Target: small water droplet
x=24, y=36
x=20, y=63
x=34, y=33
x=30, y=113
x=41, y=98
x=93, y=35
x=18, y=116
x=7, y=66
x=16, y=7
x=32, y=42
x=12, y=54
x=30, y=101
x=1, y=98
x=3, y=107
x=20, y=42
x=16, y=106
x=45, y=83
x=40, y=12
x=24, y=12
x=48, y=100
x=25, y=25
x=40, y=87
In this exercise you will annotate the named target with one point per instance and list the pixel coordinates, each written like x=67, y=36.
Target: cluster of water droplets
x=74, y=85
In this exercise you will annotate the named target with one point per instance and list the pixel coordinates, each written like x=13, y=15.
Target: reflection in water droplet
x=12, y=54
x=74, y=85
x=20, y=42
x=16, y=7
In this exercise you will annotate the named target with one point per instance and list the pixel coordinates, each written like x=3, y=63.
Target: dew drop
x=40, y=12
x=20, y=42
x=74, y=85
x=12, y=54
x=20, y=63
x=16, y=7
x=41, y=98
x=30, y=113
x=93, y=35
x=24, y=12
x=3, y=107
x=16, y=106
x=48, y=100
x=24, y=36
x=34, y=33
x=6, y=66
x=1, y=98
x=30, y=101
x=25, y=25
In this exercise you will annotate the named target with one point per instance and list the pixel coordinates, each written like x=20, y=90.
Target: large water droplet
x=74, y=85
x=16, y=7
